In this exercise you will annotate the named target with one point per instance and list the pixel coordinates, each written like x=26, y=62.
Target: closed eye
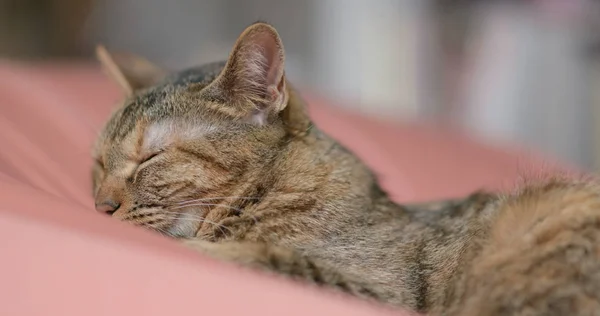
x=133, y=177
x=150, y=157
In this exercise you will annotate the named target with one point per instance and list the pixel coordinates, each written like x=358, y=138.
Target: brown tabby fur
x=225, y=158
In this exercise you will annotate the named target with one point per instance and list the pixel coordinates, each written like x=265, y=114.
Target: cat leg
x=289, y=263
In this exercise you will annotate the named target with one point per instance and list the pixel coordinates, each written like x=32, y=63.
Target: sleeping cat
x=225, y=158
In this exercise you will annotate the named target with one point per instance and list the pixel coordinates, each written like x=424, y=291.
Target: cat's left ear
x=129, y=71
x=254, y=74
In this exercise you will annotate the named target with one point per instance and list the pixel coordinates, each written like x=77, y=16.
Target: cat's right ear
x=129, y=71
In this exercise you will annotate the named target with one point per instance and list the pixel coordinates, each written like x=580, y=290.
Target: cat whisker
x=238, y=210
x=162, y=231
x=156, y=228
x=176, y=216
x=206, y=204
x=195, y=218
x=219, y=198
x=231, y=197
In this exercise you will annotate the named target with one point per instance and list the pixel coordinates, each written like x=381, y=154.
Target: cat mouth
x=174, y=222
x=181, y=220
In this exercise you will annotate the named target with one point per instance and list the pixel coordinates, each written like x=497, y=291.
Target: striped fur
x=186, y=158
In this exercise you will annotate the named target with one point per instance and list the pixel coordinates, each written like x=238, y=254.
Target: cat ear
x=129, y=71
x=254, y=73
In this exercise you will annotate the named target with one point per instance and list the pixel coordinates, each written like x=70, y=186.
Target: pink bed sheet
x=61, y=258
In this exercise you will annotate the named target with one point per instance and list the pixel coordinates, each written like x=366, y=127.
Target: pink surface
x=61, y=258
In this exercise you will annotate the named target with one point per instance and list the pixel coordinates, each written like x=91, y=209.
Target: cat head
x=185, y=143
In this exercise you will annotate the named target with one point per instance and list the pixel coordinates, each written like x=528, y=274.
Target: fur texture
x=225, y=158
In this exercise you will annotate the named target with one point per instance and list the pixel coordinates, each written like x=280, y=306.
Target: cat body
x=225, y=158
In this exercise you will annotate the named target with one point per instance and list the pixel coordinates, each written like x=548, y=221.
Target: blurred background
x=524, y=72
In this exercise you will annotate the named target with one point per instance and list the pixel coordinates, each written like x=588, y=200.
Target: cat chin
x=184, y=227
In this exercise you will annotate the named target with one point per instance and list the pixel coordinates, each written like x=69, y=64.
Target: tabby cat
x=224, y=158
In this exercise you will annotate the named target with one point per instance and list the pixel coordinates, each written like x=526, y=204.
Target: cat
x=225, y=158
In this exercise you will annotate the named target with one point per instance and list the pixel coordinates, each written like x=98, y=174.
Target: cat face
x=193, y=147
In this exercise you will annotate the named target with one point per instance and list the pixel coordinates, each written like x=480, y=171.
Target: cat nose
x=109, y=197
x=107, y=206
